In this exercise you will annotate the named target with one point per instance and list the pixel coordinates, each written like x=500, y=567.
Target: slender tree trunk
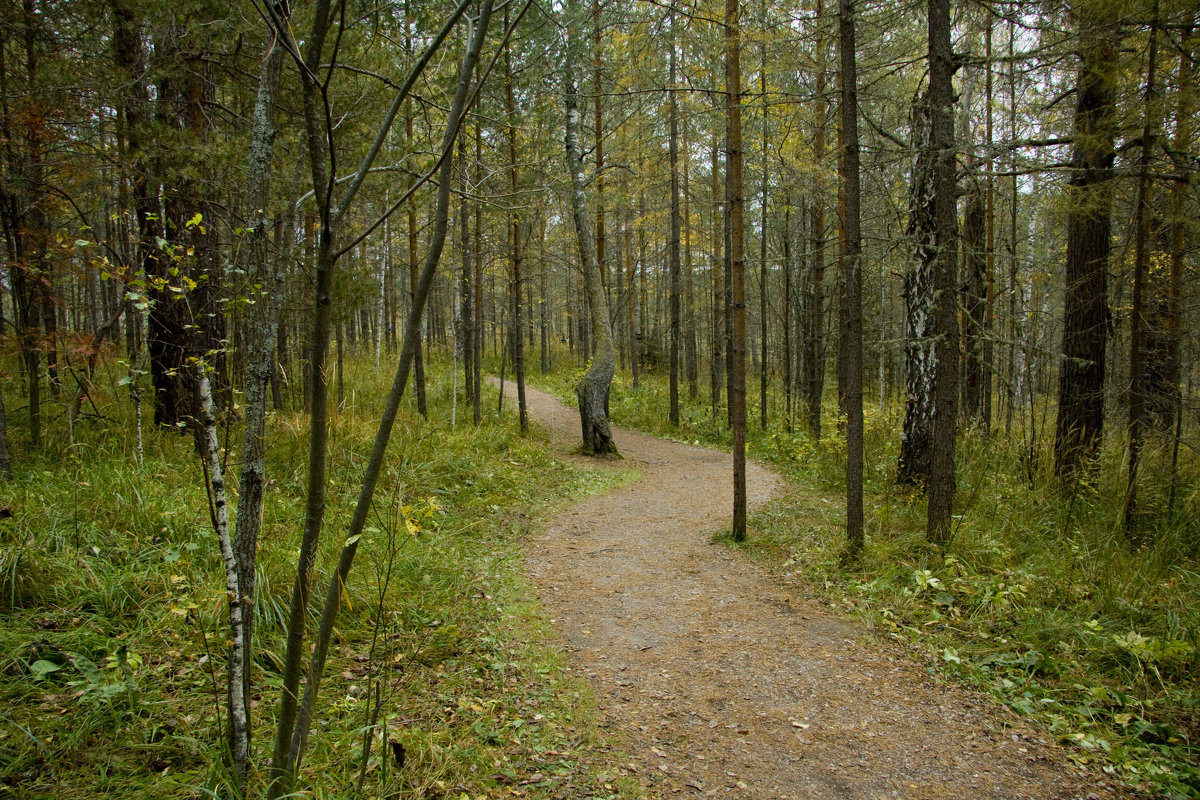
x=261, y=323
x=631, y=303
x=762, y=240
x=466, y=292
x=715, y=269
x=518, y=325
x=5, y=458
x=1011, y=374
x=1172, y=304
x=598, y=124
x=413, y=274
x=544, y=305
x=336, y=591
x=787, y=310
x=676, y=277
x=36, y=230
x=974, y=302
x=689, y=293
x=1143, y=220
x=989, y=324
x=850, y=349
x=290, y=730
x=814, y=362
x=205, y=430
x=477, y=262
x=736, y=259
x=727, y=299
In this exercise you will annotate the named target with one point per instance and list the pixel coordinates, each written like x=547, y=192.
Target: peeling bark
x=917, y=437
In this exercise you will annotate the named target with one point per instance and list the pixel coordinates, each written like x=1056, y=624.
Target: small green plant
x=112, y=682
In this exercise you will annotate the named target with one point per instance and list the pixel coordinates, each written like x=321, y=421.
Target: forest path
x=720, y=683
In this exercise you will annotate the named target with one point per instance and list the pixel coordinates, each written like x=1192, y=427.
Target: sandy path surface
x=721, y=683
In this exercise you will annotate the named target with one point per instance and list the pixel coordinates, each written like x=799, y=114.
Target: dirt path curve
x=720, y=684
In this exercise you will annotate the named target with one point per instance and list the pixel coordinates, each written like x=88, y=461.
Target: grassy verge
x=113, y=628
x=1039, y=599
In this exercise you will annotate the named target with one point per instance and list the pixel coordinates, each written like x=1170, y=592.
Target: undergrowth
x=1040, y=598
x=112, y=640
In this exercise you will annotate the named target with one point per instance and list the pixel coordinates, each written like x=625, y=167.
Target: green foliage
x=113, y=641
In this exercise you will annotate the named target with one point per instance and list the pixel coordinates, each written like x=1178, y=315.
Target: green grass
x=1039, y=598
x=112, y=641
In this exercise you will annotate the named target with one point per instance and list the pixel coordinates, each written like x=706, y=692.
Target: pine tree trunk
x=736, y=261
x=715, y=269
x=413, y=277
x=787, y=310
x=1143, y=221
x=850, y=349
x=974, y=302
x=1086, y=316
x=466, y=291
x=544, y=305
x=676, y=277
x=813, y=378
x=518, y=324
x=1171, y=304
x=940, y=489
x=689, y=293
x=762, y=243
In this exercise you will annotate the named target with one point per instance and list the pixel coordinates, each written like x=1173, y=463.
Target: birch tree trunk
x=207, y=443
x=917, y=437
x=261, y=324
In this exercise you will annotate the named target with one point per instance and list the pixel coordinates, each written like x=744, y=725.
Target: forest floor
x=718, y=681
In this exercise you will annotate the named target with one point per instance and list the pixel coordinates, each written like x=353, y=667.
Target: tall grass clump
x=441, y=680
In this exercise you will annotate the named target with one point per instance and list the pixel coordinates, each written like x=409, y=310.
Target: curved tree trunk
x=592, y=391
